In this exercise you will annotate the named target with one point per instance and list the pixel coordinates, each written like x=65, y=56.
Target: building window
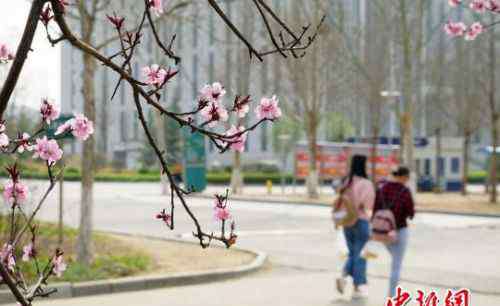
x=441, y=166
x=455, y=165
x=211, y=68
x=123, y=126
x=210, y=146
x=264, y=79
x=212, y=27
x=179, y=34
x=195, y=76
x=427, y=166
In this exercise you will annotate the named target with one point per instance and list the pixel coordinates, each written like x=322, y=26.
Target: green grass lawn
x=113, y=258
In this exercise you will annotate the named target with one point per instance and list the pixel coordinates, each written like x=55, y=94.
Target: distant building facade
x=209, y=53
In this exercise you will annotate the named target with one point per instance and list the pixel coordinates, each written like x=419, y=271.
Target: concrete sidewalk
x=298, y=288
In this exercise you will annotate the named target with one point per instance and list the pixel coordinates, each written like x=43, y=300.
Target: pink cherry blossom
x=28, y=252
x=268, y=109
x=212, y=93
x=475, y=29
x=237, y=143
x=24, y=144
x=221, y=214
x=59, y=266
x=213, y=113
x=80, y=126
x=166, y=218
x=47, y=150
x=15, y=192
x=49, y=111
x=157, y=6
x=5, y=54
x=154, y=75
x=478, y=5
x=4, y=140
x=7, y=256
x=455, y=28
x=454, y=3
x=493, y=5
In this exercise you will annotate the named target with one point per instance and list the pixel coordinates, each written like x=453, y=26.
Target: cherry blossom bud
x=64, y=4
x=474, y=30
x=493, y=5
x=58, y=264
x=454, y=3
x=268, y=109
x=166, y=218
x=46, y=15
x=4, y=140
x=5, y=54
x=29, y=252
x=117, y=21
x=154, y=75
x=7, y=256
x=478, y=6
x=221, y=211
x=49, y=111
x=455, y=29
x=15, y=192
x=23, y=142
x=156, y=6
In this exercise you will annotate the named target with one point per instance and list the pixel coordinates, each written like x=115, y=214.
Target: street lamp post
x=284, y=139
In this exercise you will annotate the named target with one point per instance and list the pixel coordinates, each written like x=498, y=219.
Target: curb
x=137, y=283
x=282, y=202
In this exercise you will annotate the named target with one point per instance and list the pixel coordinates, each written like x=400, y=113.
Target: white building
x=209, y=53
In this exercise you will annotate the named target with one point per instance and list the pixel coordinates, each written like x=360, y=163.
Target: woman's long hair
x=358, y=168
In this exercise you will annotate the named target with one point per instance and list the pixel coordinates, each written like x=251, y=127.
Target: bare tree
x=144, y=93
x=308, y=91
x=243, y=90
x=89, y=14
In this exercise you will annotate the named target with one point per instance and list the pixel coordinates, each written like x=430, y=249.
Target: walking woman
x=402, y=206
x=361, y=192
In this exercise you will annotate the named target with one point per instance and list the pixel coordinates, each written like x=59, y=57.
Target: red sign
x=332, y=160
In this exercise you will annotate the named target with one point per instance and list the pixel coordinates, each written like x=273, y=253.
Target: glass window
x=427, y=166
x=441, y=166
x=455, y=165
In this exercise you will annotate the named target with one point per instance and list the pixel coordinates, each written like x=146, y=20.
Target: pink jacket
x=362, y=194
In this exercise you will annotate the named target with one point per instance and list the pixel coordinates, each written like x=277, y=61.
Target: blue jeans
x=397, y=251
x=356, y=237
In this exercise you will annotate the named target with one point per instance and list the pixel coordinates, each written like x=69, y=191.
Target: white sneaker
x=360, y=293
x=341, y=282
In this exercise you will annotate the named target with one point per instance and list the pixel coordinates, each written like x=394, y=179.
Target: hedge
x=478, y=177
x=217, y=178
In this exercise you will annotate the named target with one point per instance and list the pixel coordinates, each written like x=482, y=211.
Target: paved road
x=445, y=251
